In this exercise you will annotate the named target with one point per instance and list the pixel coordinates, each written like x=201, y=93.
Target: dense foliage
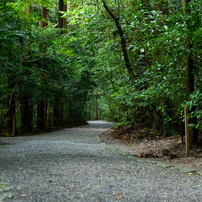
x=40, y=65
x=128, y=61
x=156, y=34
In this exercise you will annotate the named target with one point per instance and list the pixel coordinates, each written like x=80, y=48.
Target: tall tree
x=41, y=105
x=189, y=69
x=25, y=100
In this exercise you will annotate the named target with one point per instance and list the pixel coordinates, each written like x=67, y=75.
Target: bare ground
x=149, y=144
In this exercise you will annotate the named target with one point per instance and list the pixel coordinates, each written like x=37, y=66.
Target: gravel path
x=70, y=165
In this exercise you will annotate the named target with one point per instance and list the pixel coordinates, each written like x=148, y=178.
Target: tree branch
x=121, y=34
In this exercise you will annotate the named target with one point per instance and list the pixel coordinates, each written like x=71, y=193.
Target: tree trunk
x=100, y=114
x=58, y=102
x=40, y=115
x=29, y=9
x=43, y=17
x=25, y=115
x=11, y=110
x=96, y=107
x=25, y=105
x=89, y=112
x=61, y=114
x=31, y=114
x=65, y=19
x=46, y=114
x=189, y=71
x=93, y=113
x=56, y=112
x=40, y=106
x=189, y=67
x=157, y=121
x=60, y=19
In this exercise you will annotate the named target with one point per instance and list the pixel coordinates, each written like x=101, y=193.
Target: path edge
x=143, y=160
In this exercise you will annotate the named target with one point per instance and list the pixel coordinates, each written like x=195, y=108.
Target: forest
x=134, y=62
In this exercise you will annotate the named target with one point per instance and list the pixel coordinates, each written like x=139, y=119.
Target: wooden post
x=13, y=125
x=186, y=130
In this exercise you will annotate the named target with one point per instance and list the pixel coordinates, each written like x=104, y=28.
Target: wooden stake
x=186, y=130
x=13, y=125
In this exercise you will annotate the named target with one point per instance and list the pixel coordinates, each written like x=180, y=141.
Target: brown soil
x=148, y=143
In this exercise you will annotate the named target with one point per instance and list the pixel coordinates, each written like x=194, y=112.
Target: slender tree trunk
x=189, y=71
x=40, y=106
x=56, y=112
x=25, y=105
x=65, y=19
x=31, y=114
x=61, y=112
x=11, y=109
x=96, y=106
x=40, y=115
x=43, y=17
x=48, y=116
x=100, y=114
x=89, y=112
x=93, y=116
x=60, y=19
x=58, y=102
x=46, y=113
x=29, y=9
x=25, y=115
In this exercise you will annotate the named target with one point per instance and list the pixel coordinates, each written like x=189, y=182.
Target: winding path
x=71, y=165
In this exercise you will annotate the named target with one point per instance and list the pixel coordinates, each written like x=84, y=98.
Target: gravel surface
x=70, y=165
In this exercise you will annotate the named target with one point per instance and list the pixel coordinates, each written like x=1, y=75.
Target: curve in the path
x=70, y=165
